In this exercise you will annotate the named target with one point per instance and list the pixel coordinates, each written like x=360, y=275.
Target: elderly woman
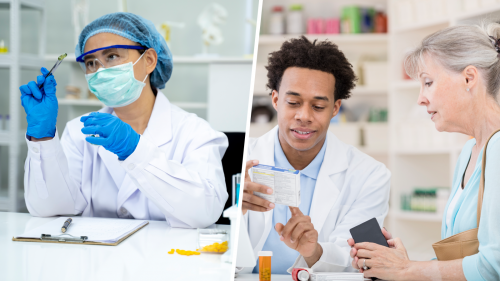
x=139, y=157
x=459, y=71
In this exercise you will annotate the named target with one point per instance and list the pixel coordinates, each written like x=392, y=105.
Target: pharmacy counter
x=142, y=256
x=274, y=277
x=255, y=277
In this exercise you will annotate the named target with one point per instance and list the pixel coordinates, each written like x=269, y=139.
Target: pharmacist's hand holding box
x=250, y=201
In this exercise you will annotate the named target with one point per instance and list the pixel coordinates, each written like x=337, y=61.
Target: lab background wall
x=193, y=80
x=421, y=159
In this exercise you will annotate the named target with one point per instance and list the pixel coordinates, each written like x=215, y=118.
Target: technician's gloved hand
x=114, y=134
x=41, y=106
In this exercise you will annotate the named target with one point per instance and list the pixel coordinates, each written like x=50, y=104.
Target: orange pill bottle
x=265, y=265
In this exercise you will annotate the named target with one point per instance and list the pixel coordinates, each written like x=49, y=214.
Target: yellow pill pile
x=216, y=247
x=265, y=274
x=184, y=252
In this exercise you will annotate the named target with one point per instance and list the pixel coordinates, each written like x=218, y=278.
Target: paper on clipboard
x=96, y=229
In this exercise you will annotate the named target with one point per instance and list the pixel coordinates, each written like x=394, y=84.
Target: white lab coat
x=174, y=174
x=351, y=188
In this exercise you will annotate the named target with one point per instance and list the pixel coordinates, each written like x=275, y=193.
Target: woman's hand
x=385, y=263
x=41, y=106
x=354, y=251
x=114, y=134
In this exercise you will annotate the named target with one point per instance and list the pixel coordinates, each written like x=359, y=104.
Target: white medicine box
x=285, y=184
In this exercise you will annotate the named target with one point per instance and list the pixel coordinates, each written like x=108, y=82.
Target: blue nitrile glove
x=40, y=106
x=114, y=134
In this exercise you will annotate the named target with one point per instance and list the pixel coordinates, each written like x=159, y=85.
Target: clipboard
x=70, y=239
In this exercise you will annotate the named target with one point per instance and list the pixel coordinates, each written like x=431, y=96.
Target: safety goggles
x=105, y=57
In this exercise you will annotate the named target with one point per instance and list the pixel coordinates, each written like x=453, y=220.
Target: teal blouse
x=484, y=265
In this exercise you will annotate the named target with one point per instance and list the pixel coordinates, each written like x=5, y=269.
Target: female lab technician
x=149, y=159
x=459, y=71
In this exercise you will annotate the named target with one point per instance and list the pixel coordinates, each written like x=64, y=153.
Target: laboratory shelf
x=477, y=12
x=4, y=203
x=416, y=216
x=422, y=25
x=194, y=59
x=82, y=102
x=176, y=59
x=34, y=4
x=69, y=58
x=336, y=38
x=191, y=105
x=25, y=60
x=6, y=137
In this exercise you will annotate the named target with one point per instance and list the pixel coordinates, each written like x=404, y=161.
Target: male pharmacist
x=340, y=187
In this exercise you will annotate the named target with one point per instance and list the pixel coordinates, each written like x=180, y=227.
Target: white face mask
x=116, y=86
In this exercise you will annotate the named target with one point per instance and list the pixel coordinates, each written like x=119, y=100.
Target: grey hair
x=457, y=47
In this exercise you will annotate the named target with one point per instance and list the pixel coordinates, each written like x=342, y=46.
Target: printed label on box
x=284, y=182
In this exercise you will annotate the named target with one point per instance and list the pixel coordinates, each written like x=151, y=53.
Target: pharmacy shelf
x=427, y=151
x=422, y=25
x=357, y=91
x=374, y=151
x=176, y=59
x=82, y=102
x=262, y=93
x=337, y=38
x=416, y=216
x=369, y=91
x=406, y=85
x=25, y=60
x=477, y=13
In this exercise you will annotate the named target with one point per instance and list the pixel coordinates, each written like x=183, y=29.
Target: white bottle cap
x=303, y=275
x=265, y=254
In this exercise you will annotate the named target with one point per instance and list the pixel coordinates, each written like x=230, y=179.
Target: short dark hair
x=324, y=56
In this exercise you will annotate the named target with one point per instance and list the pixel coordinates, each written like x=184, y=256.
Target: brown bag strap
x=481, y=182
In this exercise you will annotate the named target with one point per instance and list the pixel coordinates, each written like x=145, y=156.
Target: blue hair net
x=137, y=29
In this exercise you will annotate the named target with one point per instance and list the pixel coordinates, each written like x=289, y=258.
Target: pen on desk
x=66, y=225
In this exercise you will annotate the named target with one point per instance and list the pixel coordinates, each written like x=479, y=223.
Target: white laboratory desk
x=142, y=256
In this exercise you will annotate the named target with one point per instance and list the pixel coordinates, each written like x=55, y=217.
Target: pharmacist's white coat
x=351, y=188
x=174, y=174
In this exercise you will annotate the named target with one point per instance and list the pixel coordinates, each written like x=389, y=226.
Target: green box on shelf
x=351, y=19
